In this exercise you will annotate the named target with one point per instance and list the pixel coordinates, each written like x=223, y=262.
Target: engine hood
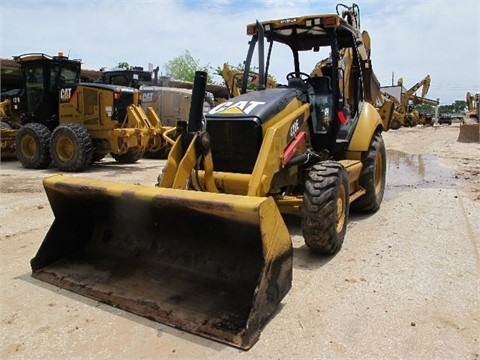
x=261, y=104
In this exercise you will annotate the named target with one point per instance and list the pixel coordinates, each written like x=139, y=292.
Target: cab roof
x=40, y=56
x=306, y=33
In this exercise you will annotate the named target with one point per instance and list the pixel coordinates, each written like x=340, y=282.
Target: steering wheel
x=304, y=76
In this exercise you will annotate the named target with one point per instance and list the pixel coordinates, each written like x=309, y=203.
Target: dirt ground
x=404, y=285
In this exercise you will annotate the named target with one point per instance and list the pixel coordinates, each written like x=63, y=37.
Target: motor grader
x=207, y=250
x=74, y=124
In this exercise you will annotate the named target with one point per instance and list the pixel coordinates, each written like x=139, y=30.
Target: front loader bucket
x=211, y=264
x=469, y=132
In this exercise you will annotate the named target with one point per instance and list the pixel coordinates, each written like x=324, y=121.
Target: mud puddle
x=410, y=171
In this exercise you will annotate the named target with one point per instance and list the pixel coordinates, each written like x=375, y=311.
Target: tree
x=458, y=106
x=183, y=67
x=424, y=108
x=123, y=65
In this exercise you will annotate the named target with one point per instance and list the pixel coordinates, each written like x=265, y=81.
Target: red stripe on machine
x=294, y=145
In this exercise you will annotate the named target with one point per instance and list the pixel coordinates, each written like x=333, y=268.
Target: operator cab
x=320, y=94
x=134, y=77
x=336, y=90
x=43, y=77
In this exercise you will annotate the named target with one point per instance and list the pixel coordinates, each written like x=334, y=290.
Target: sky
x=410, y=39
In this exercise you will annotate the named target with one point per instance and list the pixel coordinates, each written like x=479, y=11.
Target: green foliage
x=424, y=108
x=123, y=65
x=183, y=68
x=458, y=106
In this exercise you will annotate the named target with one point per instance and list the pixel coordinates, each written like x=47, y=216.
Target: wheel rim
x=64, y=148
x=28, y=146
x=378, y=178
x=341, y=204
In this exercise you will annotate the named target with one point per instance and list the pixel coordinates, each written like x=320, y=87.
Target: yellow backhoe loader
x=73, y=124
x=207, y=250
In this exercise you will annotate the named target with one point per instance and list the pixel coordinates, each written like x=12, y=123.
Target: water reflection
x=406, y=171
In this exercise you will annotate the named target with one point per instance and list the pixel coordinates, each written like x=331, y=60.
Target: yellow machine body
x=92, y=106
x=207, y=250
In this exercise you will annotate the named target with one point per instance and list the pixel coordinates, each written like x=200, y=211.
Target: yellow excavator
x=233, y=76
x=207, y=250
x=473, y=108
x=403, y=114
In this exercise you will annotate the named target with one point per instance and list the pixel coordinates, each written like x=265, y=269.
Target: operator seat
x=322, y=100
x=298, y=84
x=321, y=84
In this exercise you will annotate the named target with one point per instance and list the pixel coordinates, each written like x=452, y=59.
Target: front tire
x=373, y=176
x=71, y=147
x=32, y=146
x=325, y=207
x=99, y=155
x=161, y=154
x=395, y=124
x=130, y=157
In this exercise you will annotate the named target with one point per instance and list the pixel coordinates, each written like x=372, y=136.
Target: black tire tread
x=130, y=157
x=42, y=135
x=395, y=124
x=84, y=145
x=371, y=201
x=99, y=155
x=158, y=154
x=319, y=207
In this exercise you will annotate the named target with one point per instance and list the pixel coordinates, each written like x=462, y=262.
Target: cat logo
x=147, y=97
x=65, y=94
x=239, y=107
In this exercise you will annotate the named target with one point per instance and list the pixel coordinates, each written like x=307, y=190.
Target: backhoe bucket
x=211, y=264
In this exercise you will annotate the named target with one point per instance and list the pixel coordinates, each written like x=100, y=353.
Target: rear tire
x=32, y=146
x=395, y=124
x=71, y=147
x=130, y=157
x=372, y=178
x=325, y=207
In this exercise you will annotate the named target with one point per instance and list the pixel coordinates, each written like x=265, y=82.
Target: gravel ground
x=404, y=285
